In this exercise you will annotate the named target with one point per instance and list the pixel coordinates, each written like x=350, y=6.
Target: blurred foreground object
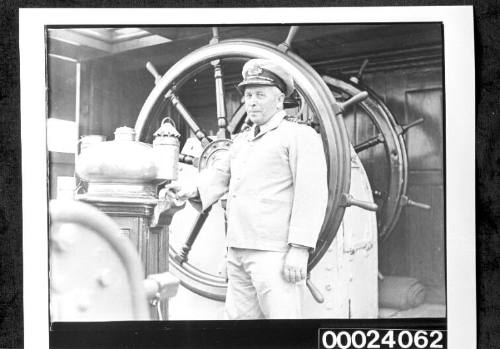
x=96, y=274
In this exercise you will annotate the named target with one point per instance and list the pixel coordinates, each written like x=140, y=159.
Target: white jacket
x=276, y=184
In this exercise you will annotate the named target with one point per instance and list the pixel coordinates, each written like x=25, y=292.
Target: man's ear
x=281, y=98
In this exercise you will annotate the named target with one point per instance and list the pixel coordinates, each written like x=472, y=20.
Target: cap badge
x=254, y=71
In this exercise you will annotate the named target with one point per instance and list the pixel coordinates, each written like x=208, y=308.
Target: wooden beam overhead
x=77, y=39
x=314, y=43
x=79, y=53
x=147, y=41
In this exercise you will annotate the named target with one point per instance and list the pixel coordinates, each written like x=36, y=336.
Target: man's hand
x=295, y=265
x=180, y=191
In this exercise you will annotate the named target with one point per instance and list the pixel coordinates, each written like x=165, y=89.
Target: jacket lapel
x=271, y=125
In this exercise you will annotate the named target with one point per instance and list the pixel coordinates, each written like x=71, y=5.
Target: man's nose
x=252, y=101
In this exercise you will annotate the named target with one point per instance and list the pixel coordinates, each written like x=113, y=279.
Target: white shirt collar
x=273, y=122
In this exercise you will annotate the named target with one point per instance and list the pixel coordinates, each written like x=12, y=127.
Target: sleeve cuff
x=302, y=237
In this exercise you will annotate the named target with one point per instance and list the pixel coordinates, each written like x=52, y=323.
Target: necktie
x=256, y=130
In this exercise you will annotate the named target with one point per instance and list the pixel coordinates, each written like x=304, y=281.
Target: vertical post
x=222, y=131
x=77, y=98
x=76, y=179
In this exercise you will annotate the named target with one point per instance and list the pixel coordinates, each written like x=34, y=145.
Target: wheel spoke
x=353, y=101
x=238, y=120
x=406, y=201
x=222, y=132
x=187, y=159
x=356, y=79
x=193, y=234
x=349, y=200
x=404, y=128
x=152, y=69
x=188, y=118
x=285, y=45
x=369, y=143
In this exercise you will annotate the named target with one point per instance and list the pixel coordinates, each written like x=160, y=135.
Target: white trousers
x=257, y=288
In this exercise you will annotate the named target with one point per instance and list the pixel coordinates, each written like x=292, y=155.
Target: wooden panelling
x=394, y=95
x=151, y=245
x=163, y=246
x=426, y=177
x=425, y=238
x=416, y=248
x=130, y=227
x=425, y=141
x=393, y=253
x=110, y=98
x=61, y=88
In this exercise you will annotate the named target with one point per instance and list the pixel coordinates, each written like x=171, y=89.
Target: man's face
x=262, y=102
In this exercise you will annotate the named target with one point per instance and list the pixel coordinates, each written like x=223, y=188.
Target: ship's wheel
x=382, y=150
x=311, y=91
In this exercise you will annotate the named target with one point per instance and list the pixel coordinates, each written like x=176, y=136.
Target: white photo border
x=459, y=127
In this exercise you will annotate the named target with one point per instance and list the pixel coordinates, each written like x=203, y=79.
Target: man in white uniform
x=276, y=179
